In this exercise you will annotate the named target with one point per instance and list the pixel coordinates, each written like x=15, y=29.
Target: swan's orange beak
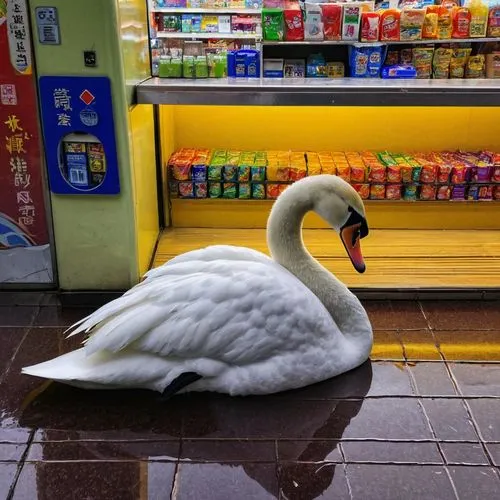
x=350, y=236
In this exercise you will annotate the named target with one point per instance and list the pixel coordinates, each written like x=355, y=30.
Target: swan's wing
x=234, y=311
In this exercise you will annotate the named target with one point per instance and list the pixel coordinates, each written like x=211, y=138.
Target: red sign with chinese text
x=21, y=186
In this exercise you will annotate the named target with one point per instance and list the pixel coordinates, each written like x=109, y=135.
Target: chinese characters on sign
x=62, y=102
x=19, y=36
x=15, y=139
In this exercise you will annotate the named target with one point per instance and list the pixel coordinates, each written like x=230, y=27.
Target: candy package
x=294, y=23
x=443, y=193
x=272, y=190
x=422, y=61
x=181, y=170
x=377, y=192
x=390, y=21
x=406, y=173
x=459, y=58
x=496, y=193
x=200, y=189
x=363, y=190
x=443, y=173
x=458, y=193
x=258, y=174
x=473, y=193
x=229, y=190
x=441, y=62
x=410, y=192
x=427, y=192
x=230, y=173
x=313, y=23
x=332, y=21
x=428, y=174
x=214, y=172
x=273, y=24
x=358, y=173
x=173, y=189
x=214, y=189
x=370, y=26
x=377, y=173
x=394, y=173
x=186, y=190
x=393, y=191
x=351, y=19
x=344, y=172
x=258, y=191
x=244, y=190
x=411, y=23
x=243, y=173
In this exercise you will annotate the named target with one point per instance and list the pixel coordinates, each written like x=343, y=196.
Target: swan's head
x=338, y=203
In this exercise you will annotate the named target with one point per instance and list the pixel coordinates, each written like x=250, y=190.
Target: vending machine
x=25, y=249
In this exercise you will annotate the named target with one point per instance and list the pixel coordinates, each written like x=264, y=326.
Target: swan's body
x=242, y=322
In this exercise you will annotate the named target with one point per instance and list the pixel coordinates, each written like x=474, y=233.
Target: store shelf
x=320, y=92
x=209, y=36
x=214, y=11
x=395, y=258
x=399, y=42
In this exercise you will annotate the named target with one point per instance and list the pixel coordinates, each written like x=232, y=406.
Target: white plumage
x=244, y=322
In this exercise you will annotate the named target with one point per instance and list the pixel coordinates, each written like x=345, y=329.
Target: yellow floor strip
x=394, y=257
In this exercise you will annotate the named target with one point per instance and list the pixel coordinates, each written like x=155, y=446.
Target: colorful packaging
x=214, y=189
x=258, y=191
x=444, y=23
x=390, y=22
x=273, y=24
x=200, y=189
x=416, y=172
x=422, y=61
x=406, y=173
x=294, y=23
x=394, y=174
x=441, y=62
x=370, y=26
x=458, y=62
x=444, y=172
x=199, y=173
x=443, y=193
x=411, y=24
x=186, y=190
x=366, y=61
x=392, y=58
x=351, y=18
x=496, y=193
x=430, y=28
x=494, y=22
x=335, y=70
x=479, y=18
x=393, y=191
x=272, y=190
x=406, y=56
x=258, y=174
x=181, y=170
x=173, y=189
x=377, y=192
x=214, y=172
x=297, y=172
x=459, y=174
x=458, y=193
x=410, y=192
x=344, y=172
x=244, y=173
x=476, y=66
x=428, y=174
x=332, y=21
x=229, y=190
x=377, y=173
x=363, y=190
x=358, y=173
x=461, y=18
x=427, y=192
x=313, y=23
x=244, y=191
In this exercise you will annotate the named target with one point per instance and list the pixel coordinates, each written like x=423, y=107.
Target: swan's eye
x=355, y=236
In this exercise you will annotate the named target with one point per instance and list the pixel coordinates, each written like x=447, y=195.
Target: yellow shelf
x=395, y=258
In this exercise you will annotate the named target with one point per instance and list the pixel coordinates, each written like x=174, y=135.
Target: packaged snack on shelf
x=272, y=24
x=390, y=21
x=411, y=24
x=410, y=192
x=351, y=18
x=230, y=173
x=377, y=192
x=344, y=172
x=186, y=190
x=422, y=61
x=244, y=191
x=476, y=66
x=173, y=189
x=444, y=23
x=214, y=172
x=485, y=193
x=495, y=176
x=243, y=173
x=258, y=191
x=316, y=66
x=493, y=65
x=406, y=56
x=458, y=193
x=399, y=71
x=295, y=68
x=329, y=169
x=294, y=23
x=370, y=26
x=494, y=22
x=363, y=190
x=358, y=173
x=394, y=173
x=481, y=174
x=332, y=21
x=199, y=173
x=229, y=190
x=335, y=70
x=272, y=190
x=461, y=18
x=214, y=189
x=430, y=27
x=258, y=174
x=427, y=192
x=377, y=173
x=479, y=18
x=459, y=58
x=459, y=174
x=313, y=23
x=443, y=193
x=496, y=193
x=444, y=172
x=473, y=193
x=200, y=189
x=393, y=191
x=441, y=62
x=366, y=61
x=392, y=58
x=406, y=173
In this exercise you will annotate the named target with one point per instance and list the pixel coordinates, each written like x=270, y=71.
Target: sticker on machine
x=8, y=95
x=18, y=33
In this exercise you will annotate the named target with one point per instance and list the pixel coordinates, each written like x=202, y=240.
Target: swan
x=231, y=319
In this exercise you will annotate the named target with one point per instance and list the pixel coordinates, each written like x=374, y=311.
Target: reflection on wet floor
x=420, y=420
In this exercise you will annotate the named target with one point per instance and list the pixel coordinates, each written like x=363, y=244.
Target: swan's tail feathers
x=179, y=383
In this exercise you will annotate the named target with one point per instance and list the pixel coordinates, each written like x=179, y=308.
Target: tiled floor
x=419, y=421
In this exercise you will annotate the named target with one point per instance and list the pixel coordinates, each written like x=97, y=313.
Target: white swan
x=230, y=319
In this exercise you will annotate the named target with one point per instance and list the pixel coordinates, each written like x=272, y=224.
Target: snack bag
x=427, y=192
x=394, y=173
x=444, y=23
x=258, y=174
x=332, y=21
x=392, y=58
x=200, y=189
x=273, y=24
x=377, y=173
x=441, y=62
x=479, y=18
x=459, y=58
x=416, y=172
x=458, y=193
x=181, y=170
x=411, y=24
x=370, y=26
x=495, y=177
x=406, y=173
x=199, y=173
x=476, y=66
x=351, y=19
x=422, y=60
x=229, y=190
x=344, y=172
x=214, y=172
x=335, y=70
x=444, y=172
x=496, y=193
x=390, y=21
x=406, y=56
x=363, y=190
x=297, y=172
x=243, y=173
x=443, y=193
x=377, y=192
x=244, y=191
x=214, y=189
x=230, y=173
x=358, y=173
x=294, y=23
x=313, y=24
x=272, y=190
x=459, y=174
x=428, y=174
x=410, y=192
x=258, y=191
x=186, y=190
x=494, y=22
x=393, y=191
x=461, y=18
x=173, y=189
x=430, y=27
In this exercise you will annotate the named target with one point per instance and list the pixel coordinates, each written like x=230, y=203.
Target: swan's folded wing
x=237, y=312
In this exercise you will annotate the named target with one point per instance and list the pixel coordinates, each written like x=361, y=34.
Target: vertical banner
x=24, y=250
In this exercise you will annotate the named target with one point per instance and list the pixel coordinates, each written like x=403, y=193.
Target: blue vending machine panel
x=79, y=135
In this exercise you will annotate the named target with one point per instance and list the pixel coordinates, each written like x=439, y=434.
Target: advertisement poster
x=24, y=241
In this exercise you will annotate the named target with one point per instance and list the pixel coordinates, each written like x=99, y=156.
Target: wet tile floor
x=420, y=420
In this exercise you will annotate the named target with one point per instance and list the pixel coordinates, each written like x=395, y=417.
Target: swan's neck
x=284, y=239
